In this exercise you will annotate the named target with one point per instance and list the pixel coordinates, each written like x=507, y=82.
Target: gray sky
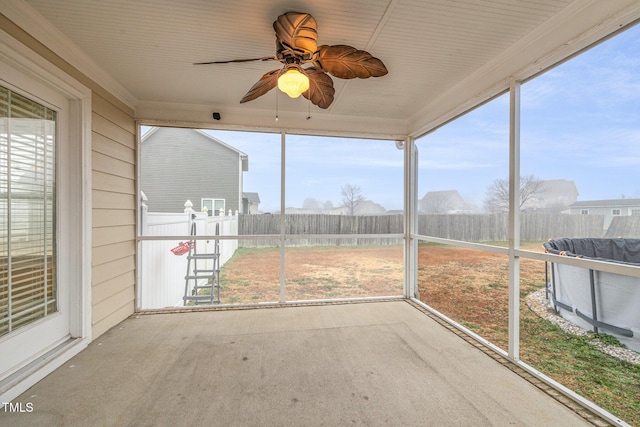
x=579, y=121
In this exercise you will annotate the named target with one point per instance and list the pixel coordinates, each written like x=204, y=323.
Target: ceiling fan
x=306, y=65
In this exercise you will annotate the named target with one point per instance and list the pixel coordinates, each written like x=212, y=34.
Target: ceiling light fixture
x=297, y=45
x=294, y=82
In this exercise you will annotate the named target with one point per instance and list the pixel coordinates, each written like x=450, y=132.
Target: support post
x=514, y=221
x=594, y=308
x=283, y=223
x=553, y=289
x=188, y=209
x=410, y=218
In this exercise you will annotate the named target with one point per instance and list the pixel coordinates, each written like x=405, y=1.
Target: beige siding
x=111, y=183
x=112, y=252
x=113, y=214
x=109, y=200
x=103, y=145
x=107, y=271
x=102, y=326
x=112, y=286
x=112, y=166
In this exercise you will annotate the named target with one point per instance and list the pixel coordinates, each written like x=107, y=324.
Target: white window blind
x=27, y=211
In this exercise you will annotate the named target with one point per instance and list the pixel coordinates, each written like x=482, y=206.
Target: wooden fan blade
x=264, y=58
x=321, y=89
x=347, y=62
x=262, y=86
x=298, y=32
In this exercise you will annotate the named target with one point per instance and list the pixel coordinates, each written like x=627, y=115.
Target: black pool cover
x=625, y=251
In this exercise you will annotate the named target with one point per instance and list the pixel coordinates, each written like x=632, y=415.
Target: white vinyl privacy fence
x=162, y=274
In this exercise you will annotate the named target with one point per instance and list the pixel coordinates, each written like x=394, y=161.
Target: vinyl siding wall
x=113, y=207
x=113, y=262
x=177, y=165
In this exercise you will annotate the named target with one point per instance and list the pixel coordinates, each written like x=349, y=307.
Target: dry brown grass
x=253, y=275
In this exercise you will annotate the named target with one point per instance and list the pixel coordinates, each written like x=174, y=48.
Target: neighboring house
x=177, y=165
x=444, y=202
x=368, y=207
x=609, y=208
x=554, y=196
x=302, y=211
x=365, y=207
x=250, y=203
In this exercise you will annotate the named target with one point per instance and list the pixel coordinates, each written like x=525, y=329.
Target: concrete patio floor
x=374, y=363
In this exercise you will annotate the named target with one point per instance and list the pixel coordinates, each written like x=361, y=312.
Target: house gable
x=447, y=201
x=555, y=195
x=177, y=165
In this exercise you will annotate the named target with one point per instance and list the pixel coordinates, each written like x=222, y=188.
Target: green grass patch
x=471, y=326
x=611, y=383
x=608, y=339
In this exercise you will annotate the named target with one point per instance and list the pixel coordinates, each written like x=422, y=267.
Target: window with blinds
x=27, y=211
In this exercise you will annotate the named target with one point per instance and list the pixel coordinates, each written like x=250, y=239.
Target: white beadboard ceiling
x=441, y=54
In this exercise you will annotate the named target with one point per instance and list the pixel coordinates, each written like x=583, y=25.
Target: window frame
x=213, y=205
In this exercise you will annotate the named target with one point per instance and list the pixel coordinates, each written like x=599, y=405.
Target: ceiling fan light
x=293, y=83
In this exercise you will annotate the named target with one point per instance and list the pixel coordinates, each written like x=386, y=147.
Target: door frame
x=25, y=69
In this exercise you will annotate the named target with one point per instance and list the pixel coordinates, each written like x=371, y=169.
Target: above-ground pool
x=595, y=300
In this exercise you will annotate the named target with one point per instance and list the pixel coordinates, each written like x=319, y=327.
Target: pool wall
x=595, y=300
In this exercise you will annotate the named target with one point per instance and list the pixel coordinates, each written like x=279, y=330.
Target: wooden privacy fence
x=495, y=227
x=624, y=226
x=310, y=224
x=465, y=227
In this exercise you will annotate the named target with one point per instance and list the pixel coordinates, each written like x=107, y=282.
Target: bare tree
x=311, y=203
x=497, y=198
x=351, y=197
x=435, y=203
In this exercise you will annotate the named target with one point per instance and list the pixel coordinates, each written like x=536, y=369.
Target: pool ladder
x=195, y=291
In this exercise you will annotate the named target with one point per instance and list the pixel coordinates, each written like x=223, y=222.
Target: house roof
x=605, y=203
x=559, y=187
x=253, y=198
x=443, y=56
x=445, y=201
x=448, y=194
